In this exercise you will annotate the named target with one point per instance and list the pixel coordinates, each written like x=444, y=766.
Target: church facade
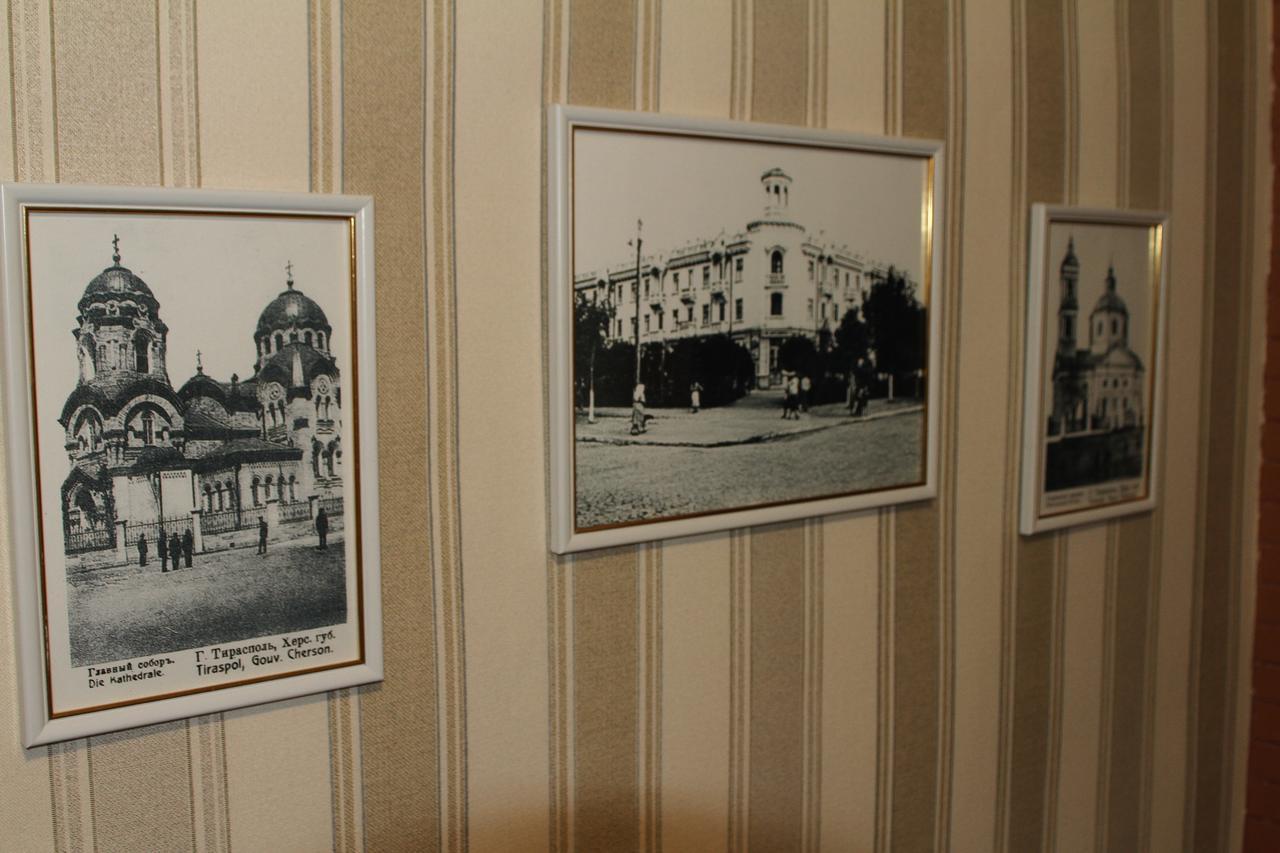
x=211, y=456
x=1097, y=388
x=769, y=281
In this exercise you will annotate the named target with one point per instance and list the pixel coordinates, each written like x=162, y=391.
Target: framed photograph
x=743, y=322
x=189, y=411
x=1095, y=349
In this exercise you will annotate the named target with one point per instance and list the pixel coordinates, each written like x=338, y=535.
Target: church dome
x=117, y=282
x=1110, y=300
x=1069, y=260
x=291, y=309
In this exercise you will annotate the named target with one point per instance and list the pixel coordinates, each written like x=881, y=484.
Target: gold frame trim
x=26, y=209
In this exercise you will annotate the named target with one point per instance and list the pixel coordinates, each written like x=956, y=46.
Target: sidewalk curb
x=761, y=438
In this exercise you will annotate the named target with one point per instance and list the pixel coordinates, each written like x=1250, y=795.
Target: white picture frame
x=1093, y=427
x=881, y=208
x=106, y=638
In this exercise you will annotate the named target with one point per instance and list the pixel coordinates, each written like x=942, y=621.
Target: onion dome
x=1070, y=263
x=118, y=283
x=292, y=309
x=1110, y=300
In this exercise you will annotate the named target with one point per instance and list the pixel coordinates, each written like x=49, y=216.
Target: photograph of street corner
x=743, y=353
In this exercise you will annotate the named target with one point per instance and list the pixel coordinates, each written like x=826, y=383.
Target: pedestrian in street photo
x=806, y=390
x=175, y=550
x=322, y=528
x=142, y=549
x=262, y=535
x=637, y=409
x=188, y=544
x=162, y=548
x=695, y=396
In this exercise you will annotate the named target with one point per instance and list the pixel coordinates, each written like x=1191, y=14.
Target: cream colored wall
x=918, y=678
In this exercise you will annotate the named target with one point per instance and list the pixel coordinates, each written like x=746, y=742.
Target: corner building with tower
x=212, y=457
x=761, y=285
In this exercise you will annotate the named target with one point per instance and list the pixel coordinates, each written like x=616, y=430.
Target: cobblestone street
x=740, y=456
x=127, y=611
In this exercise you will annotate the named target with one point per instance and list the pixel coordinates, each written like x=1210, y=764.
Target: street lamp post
x=636, y=320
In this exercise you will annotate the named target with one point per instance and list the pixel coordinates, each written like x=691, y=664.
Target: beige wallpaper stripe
x=179, y=107
x=1215, y=668
x=442, y=419
x=107, y=110
x=117, y=788
x=742, y=58
x=555, y=69
x=208, y=778
x=605, y=701
x=71, y=807
x=884, y=677
x=1144, y=186
x=776, y=681
x=982, y=535
x=651, y=688
x=1102, y=784
x=384, y=155
x=605, y=56
x=739, y=689
x=1039, y=46
x=602, y=65
x=925, y=111
x=781, y=805
x=32, y=74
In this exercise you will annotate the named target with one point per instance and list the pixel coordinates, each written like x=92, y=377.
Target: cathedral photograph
x=1097, y=360
x=750, y=324
x=193, y=461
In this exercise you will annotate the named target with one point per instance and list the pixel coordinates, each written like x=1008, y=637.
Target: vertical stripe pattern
x=1075, y=691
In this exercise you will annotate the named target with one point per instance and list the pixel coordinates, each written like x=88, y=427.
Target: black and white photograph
x=750, y=324
x=1096, y=365
x=194, y=408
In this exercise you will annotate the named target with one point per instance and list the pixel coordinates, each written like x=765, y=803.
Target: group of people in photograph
x=173, y=551
x=177, y=551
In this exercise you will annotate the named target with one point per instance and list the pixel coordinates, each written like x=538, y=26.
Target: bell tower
x=1069, y=307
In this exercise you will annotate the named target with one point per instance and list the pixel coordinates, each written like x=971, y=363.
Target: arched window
x=775, y=262
x=208, y=498
x=231, y=494
x=266, y=488
x=148, y=428
x=217, y=491
x=279, y=342
x=1115, y=326
x=253, y=486
x=775, y=304
x=141, y=354
x=320, y=340
x=306, y=337
x=328, y=457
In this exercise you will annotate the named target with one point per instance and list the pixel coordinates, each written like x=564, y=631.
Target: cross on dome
x=288, y=269
x=115, y=246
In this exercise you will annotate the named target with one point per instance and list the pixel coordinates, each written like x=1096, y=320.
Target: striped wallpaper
x=911, y=679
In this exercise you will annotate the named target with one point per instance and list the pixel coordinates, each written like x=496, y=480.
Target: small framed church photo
x=1094, y=381
x=191, y=459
